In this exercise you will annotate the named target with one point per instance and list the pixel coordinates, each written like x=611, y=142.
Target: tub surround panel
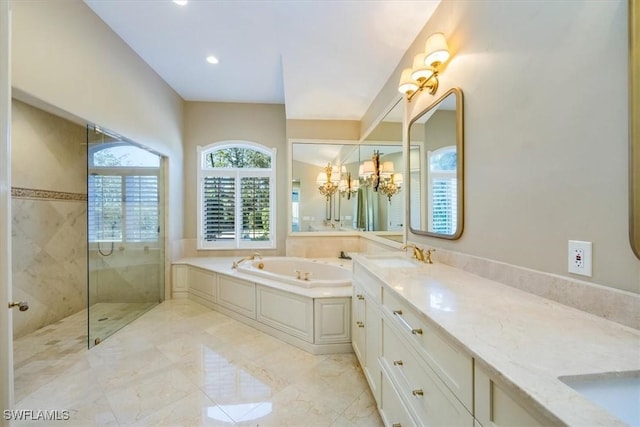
x=524, y=341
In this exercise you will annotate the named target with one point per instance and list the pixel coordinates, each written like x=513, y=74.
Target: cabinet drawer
x=367, y=282
x=392, y=410
x=237, y=295
x=426, y=394
x=450, y=363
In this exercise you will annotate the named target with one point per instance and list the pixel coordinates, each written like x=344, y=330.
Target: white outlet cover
x=580, y=257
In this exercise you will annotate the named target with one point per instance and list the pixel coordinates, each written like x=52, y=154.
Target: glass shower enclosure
x=125, y=232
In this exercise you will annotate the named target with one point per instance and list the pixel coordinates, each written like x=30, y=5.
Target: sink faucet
x=420, y=254
x=247, y=258
x=417, y=252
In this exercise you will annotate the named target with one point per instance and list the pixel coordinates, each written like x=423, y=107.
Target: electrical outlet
x=580, y=257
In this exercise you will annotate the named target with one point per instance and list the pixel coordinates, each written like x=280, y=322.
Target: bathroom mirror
x=311, y=209
x=436, y=168
x=634, y=131
x=353, y=206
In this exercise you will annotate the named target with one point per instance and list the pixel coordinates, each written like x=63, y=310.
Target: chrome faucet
x=247, y=258
x=421, y=255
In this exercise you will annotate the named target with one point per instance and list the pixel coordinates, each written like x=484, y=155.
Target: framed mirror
x=634, y=130
x=436, y=168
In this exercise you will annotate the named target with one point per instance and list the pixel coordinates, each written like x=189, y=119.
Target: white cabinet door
x=357, y=323
x=332, y=320
x=287, y=312
x=372, y=329
x=495, y=406
x=237, y=295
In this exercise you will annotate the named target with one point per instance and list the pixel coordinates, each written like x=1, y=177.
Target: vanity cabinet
x=366, y=326
x=496, y=407
x=417, y=376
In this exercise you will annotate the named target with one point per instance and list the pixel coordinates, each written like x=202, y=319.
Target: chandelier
x=391, y=186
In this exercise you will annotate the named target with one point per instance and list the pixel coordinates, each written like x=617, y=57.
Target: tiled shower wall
x=49, y=249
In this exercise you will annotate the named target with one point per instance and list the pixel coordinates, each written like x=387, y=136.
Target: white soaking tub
x=301, y=272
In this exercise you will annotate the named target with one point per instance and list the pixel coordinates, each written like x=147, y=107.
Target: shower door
x=125, y=232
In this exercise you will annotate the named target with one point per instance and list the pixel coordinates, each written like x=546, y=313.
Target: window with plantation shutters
x=443, y=190
x=123, y=194
x=236, y=196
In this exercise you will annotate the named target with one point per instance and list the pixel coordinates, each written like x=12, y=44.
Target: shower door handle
x=22, y=305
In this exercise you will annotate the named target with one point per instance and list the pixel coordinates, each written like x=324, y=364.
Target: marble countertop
x=525, y=340
x=223, y=265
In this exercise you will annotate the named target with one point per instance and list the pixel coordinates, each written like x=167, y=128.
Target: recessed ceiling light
x=180, y=2
x=212, y=59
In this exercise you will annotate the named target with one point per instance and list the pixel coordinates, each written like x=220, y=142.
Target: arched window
x=443, y=190
x=236, y=196
x=123, y=194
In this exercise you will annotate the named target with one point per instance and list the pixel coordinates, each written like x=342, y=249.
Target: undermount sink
x=618, y=393
x=391, y=260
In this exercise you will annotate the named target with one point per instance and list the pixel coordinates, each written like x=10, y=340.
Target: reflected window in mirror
x=436, y=168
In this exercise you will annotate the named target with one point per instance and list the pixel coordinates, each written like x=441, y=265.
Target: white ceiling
x=324, y=59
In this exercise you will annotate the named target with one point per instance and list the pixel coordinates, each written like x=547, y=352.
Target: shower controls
x=22, y=305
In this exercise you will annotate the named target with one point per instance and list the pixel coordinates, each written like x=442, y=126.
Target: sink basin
x=618, y=393
x=392, y=260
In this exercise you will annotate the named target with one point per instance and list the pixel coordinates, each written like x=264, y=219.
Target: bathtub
x=301, y=272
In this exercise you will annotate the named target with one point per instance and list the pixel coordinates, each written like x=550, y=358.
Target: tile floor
x=182, y=364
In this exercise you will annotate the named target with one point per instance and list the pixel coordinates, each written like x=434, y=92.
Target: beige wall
x=64, y=58
x=323, y=129
x=209, y=122
x=546, y=139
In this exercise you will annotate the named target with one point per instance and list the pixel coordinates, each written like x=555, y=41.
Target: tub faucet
x=247, y=258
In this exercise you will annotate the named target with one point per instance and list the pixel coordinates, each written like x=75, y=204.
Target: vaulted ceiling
x=323, y=59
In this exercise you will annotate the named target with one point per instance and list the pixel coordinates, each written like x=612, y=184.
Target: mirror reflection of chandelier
x=328, y=181
x=380, y=176
x=392, y=185
x=348, y=186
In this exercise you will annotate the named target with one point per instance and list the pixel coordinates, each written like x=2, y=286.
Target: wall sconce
x=392, y=185
x=369, y=171
x=348, y=186
x=328, y=185
x=426, y=67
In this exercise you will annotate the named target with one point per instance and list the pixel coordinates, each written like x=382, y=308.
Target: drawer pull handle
x=360, y=324
x=418, y=392
x=360, y=296
x=398, y=363
x=396, y=425
x=414, y=331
